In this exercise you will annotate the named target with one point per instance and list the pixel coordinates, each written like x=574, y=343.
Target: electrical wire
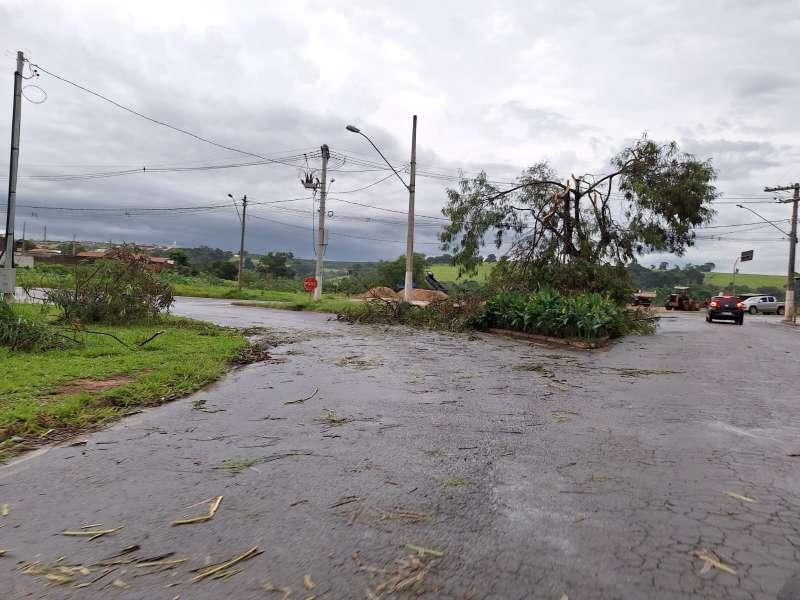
x=143, y=116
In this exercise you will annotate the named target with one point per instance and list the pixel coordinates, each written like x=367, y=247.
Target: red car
x=726, y=308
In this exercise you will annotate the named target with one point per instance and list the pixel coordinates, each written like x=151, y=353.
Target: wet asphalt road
x=543, y=471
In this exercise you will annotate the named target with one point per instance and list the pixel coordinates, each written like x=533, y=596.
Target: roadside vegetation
x=99, y=350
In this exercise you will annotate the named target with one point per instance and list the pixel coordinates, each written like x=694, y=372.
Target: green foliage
x=179, y=257
x=24, y=332
x=459, y=313
x=45, y=276
x=393, y=273
x=553, y=221
x=275, y=264
x=68, y=247
x=585, y=316
x=224, y=270
x=117, y=289
x=572, y=278
x=38, y=390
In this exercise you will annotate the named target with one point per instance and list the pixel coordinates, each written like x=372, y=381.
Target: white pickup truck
x=764, y=304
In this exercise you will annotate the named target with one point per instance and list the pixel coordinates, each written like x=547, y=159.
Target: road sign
x=310, y=284
x=7, y=281
x=747, y=255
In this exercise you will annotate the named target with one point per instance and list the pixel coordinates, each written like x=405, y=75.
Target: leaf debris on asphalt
x=212, y=510
x=5, y=509
x=407, y=574
x=301, y=400
x=308, y=583
x=93, y=534
x=740, y=497
x=711, y=560
x=220, y=570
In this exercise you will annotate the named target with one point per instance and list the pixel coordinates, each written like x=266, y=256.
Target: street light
x=409, y=279
x=764, y=219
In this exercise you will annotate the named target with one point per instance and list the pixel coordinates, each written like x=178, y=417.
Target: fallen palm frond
x=740, y=497
x=422, y=551
x=212, y=510
x=712, y=561
x=92, y=534
x=223, y=567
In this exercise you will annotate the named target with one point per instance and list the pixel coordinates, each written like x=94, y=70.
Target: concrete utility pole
x=409, y=283
x=73, y=245
x=12, y=178
x=241, y=244
x=322, y=243
x=789, y=314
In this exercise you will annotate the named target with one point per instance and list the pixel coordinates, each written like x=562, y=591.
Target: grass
x=36, y=395
x=751, y=280
x=449, y=273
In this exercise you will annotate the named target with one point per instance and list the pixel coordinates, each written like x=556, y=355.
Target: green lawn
x=751, y=280
x=449, y=273
x=46, y=393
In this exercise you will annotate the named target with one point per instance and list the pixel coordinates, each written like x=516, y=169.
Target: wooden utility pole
x=8, y=278
x=789, y=311
x=322, y=243
x=241, y=244
x=408, y=289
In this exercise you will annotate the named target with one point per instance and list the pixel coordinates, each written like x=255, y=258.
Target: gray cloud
x=497, y=86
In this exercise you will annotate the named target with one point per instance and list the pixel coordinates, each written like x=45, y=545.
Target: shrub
x=20, y=333
x=117, y=289
x=584, y=316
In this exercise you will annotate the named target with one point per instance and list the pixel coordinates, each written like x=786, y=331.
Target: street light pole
x=411, y=187
x=409, y=282
x=789, y=310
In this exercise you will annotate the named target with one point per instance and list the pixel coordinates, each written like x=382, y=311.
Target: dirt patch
x=423, y=295
x=384, y=293
x=78, y=386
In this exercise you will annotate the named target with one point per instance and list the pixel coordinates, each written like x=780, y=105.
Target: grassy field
x=751, y=280
x=450, y=273
x=47, y=395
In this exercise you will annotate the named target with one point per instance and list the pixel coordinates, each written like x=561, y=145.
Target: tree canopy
x=548, y=220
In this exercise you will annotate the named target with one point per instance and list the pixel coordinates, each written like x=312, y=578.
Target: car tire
x=752, y=310
x=781, y=310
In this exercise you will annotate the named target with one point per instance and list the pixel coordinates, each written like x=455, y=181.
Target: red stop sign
x=310, y=284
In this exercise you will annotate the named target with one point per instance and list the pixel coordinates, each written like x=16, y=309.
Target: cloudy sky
x=496, y=85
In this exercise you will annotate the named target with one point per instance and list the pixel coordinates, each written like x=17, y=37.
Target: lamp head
x=353, y=129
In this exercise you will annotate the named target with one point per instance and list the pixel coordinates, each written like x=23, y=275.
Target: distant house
x=157, y=263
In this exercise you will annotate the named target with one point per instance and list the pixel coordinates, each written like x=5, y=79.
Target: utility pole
x=24, y=224
x=789, y=311
x=12, y=177
x=241, y=244
x=322, y=243
x=408, y=289
x=73, y=245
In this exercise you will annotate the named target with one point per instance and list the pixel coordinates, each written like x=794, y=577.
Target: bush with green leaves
x=20, y=333
x=121, y=288
x=585, y=316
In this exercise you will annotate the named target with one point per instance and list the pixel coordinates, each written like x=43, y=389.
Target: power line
x=143, y=116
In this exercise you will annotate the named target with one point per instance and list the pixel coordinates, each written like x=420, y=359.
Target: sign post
x=743, y=257
x=310, y=284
